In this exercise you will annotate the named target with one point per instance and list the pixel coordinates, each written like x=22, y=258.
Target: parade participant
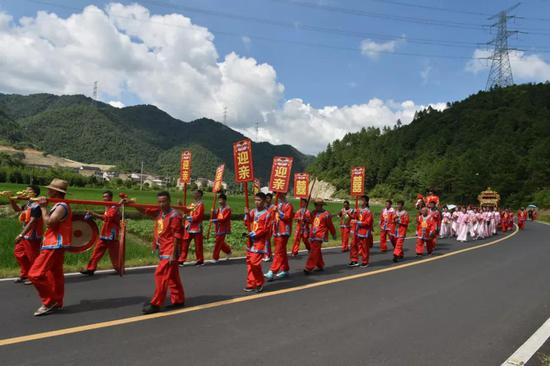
x=462, y=225
x=167, y=237
x=399, y=228
x=283, y=214
x=480, y=231
x=504, y=221
x=386, y=216
x=322, y=225
x=419, y=202
x=492, y=221
x=436, y=215
x=345, y=215
x=27, y=243
x=522, y=217
x=425, y=232
x=497, y=220
x=454, y=219
x=268, y=257
x=258, y=221
x=510, y=223
x=446, y=223
x=221, y=217
x=362, y=232
x=193, y=230
x=303, y=221
x=108, y=238
x=46, y=273
x=431, y=197
x=472, y=223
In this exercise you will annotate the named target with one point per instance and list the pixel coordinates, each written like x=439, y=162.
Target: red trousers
x=269, y=253
x=280, y=258
x=315, y=257
x=345, y=231
x=420, y=246
x=220, y=245
x=398, y=251
x=296, y=246
x=167, y=276
x=384, y=235
x=25, y=253
x=46, y=274
x=100, y=248
x=503, y=227
x=254, y=270
x=198, y=238
x=360, y=247
x=521, y=225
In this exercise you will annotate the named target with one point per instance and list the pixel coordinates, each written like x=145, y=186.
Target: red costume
x=222, y=227
x=432, y=198
x=425, y=234
x=27, y=249
x=504, y=221
x=167, y=230
x=46, y=272
x=303, y=221
x=259, y=223
x=322, y=225
x=108, y=238
x=522, y=217
x=282, y=228
x=386, y=218
x=510, y=223
x=437, y=218
x=399, y=227
x=362, y=235
x=193, y=231
x=345, y=226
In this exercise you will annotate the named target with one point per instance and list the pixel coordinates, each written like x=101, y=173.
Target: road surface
x=459, y=307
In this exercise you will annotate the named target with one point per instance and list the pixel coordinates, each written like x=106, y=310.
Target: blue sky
x=325, y=76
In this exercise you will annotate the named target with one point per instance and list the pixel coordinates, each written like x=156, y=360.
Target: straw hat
x=59, y=185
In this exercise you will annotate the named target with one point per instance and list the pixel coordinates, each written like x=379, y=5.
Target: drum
x=85, y=234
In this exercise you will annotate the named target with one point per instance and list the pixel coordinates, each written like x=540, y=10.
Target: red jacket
x=400, y=224
x=425, y=227
x=259, y=223
x=345, y=217
x=386, y=218
x=362, y=225
x=195, y=218
x=282, y=222
x=32, y=209
x=167, y=230
x=303, y=222
x=222, y=220
x=436, y=215
x=111, y=223
x=322, y=226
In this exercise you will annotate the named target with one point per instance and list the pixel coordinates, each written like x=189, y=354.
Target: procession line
x=530, y=347
x=153, y=266
x=140, y=318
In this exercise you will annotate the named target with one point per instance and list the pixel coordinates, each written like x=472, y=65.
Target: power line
x=430, y=7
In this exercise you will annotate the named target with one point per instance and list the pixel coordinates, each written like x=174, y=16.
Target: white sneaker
x=44, y=310
x=228, y=255
x=215, y=261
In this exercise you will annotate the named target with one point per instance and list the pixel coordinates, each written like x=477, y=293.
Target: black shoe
x=395, y=259
x=320, y=270
x=181, y=264
x=306, y=272
x=259, y=289
x=87, y=272
x=175, y=306
x=364, y=265
x=201, y=263
x=150, y=309
x=20, y=280
x=353, y=264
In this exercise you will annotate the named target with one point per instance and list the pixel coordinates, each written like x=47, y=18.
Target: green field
x=139, y=231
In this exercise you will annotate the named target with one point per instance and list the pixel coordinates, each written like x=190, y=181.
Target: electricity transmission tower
x=94, y=95
x=500, y=74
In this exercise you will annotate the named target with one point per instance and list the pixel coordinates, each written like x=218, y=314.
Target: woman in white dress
x=462, y=225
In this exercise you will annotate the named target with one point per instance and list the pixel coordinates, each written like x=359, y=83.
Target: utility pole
x=141, y=178
x=225, y=115
x=500, y=74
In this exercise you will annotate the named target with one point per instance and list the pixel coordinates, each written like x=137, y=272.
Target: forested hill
x=78, y=128
x=499, y=138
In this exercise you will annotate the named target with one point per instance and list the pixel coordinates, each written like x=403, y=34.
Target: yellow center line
x=140, y=318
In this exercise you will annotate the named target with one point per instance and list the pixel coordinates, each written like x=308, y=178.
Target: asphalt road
x=473, y=308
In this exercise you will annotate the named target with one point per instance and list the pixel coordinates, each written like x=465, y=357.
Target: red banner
x=185, y=167
x=242, y=158
x=257, y=185
x=301, y=185
x=280, y=174
x=358, y=181
x=218, y=179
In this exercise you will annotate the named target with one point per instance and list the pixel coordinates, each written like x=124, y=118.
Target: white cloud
x=168, y=61
x=117, y=104
x=373, y=49
x=425, y=74
x=525, y=67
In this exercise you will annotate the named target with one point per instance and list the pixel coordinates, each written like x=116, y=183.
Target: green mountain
x=499, y=138
x=78, y=128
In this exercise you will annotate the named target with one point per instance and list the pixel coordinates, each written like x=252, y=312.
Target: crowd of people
x=269, y=224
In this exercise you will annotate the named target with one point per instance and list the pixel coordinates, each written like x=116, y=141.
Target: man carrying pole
x=362, y=233
x=221, y=218
x=46, y=273
x=303, y=222
x=398, y=228
x=193, y=229
x=257, y=221
x=167, y=243
x=321, y=227
x=282, y=227
x=386, y=217
x=345, y=215
x=108, y=239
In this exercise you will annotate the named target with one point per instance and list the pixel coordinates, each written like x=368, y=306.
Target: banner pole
x=214, y=199
x=185, y=194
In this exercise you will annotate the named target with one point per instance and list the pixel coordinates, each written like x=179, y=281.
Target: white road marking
x=530, y=347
